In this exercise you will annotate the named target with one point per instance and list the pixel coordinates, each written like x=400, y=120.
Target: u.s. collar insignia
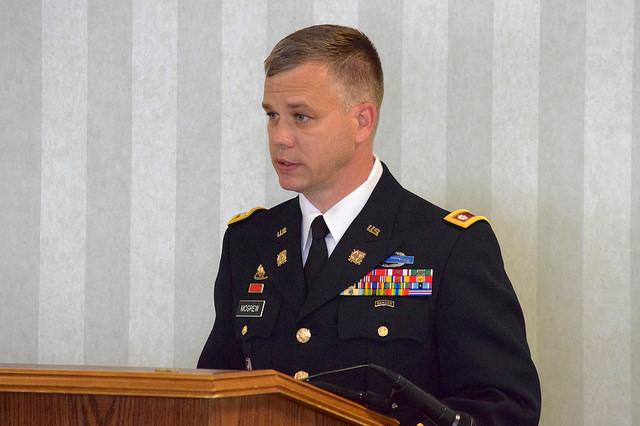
x=281, y=259
x=396, y=260
x=373, y=230
x=281, y=232
x=357, y=256
x=260, y=273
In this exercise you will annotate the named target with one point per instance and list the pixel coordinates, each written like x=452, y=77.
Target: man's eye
x=301, y=118
x=271, y=115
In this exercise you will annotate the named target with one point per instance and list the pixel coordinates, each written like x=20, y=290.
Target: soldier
x=356, y=269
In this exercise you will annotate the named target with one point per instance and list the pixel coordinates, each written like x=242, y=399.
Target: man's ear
x=366, y=115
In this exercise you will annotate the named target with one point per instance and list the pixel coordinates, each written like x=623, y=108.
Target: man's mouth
x=285, y=166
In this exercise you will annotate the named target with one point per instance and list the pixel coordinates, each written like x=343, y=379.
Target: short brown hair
x=350, y=56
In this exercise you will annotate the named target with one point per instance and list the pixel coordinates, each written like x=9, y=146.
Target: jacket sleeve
x=222, y=350
x=483, y=352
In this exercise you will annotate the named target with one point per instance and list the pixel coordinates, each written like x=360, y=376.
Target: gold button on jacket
x=301, y=375
x=383, y=331
x=303, y=335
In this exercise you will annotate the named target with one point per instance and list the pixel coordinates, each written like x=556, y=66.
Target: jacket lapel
x=342, y=268
x=285, y=275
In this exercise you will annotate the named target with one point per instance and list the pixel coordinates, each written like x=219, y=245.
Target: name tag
x=250, y=308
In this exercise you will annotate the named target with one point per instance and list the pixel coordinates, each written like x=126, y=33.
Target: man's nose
x=281, y=134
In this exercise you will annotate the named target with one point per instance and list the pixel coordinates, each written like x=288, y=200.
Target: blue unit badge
x=396, y=260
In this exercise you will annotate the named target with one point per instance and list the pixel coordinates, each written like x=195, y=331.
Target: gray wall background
x=130, y=131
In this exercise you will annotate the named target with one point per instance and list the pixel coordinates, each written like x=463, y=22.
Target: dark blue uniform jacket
x=465, y=343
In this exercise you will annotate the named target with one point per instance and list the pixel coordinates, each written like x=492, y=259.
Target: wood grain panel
x=35, y=395
x=27, y=409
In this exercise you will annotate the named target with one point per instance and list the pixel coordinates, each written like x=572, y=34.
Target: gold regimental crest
x=281, y=232
x=357, y=256
x=373, y=230
x=463, y=218
x=281, y=259
x=260, y=273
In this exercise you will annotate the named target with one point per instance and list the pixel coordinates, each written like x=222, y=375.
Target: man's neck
x=324, y=200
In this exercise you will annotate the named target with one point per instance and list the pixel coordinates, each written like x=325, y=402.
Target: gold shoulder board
x=463, y=218
x=242, y=216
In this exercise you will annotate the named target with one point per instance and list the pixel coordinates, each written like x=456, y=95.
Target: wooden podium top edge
x=176, y=383
x=172, y=382
x=61, y=369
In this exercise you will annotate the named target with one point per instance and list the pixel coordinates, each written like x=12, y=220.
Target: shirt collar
x=340, y=215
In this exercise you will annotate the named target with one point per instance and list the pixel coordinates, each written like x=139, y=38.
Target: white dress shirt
x=339, y=217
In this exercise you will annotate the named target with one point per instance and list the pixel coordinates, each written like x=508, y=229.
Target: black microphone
x=371, y=399
x=435, y=410
x=439, y=413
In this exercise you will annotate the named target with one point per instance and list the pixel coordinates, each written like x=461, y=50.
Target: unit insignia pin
x=282, y=258
x=281, y=232
x=357, y=256
x=260, y=273
x=255, y=288
x=462, y=217
x=374, y=230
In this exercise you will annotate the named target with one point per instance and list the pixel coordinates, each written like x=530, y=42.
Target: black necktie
x=318, y=252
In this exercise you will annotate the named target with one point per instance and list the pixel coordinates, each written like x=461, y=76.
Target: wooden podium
x=57, y=395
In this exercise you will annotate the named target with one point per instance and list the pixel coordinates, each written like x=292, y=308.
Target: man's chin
x=291, y=185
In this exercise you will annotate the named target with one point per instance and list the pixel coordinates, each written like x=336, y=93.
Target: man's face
x=311, y=132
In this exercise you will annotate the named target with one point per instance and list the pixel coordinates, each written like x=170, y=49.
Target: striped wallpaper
x=131, y=130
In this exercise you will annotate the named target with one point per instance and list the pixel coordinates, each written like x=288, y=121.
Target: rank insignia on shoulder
x=463, y=218
x=242, y=216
